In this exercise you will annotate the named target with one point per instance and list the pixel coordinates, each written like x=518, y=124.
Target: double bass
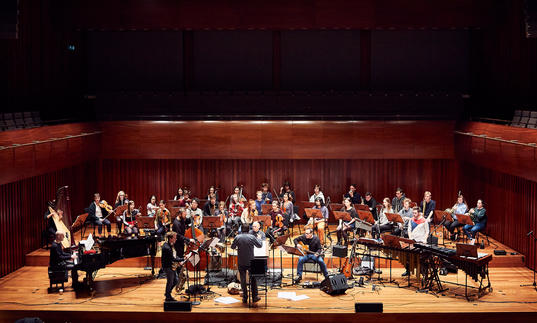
x=199, y=237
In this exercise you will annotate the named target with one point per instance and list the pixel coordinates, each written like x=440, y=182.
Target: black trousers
x=451, y=226
x=179, y=248
x=377, y=230
x=253, y=282
x=171, y=281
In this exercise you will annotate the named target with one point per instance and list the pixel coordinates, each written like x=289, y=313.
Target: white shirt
x=314, y=197
x=98, y=212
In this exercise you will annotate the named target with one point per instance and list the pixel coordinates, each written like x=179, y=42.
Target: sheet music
x=88, y=243
x=263, y=251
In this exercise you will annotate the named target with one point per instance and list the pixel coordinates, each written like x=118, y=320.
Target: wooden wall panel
x=142, y=178
x=22, y=206
x=511, y=204
x=278, y=140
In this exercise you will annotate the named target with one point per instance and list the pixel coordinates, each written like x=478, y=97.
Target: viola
x=106, y=206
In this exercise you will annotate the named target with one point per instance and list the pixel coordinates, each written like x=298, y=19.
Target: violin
x=106, y=206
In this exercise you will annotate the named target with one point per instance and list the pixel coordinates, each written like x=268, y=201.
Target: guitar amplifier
x=339, y=251
x=335, y=285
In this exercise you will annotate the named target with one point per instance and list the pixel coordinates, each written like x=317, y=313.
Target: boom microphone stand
x=530, y=234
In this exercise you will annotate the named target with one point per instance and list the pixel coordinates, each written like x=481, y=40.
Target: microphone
x=529, y=233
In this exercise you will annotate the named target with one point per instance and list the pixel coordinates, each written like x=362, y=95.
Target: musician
x=418, y=227
x=314, y=247
x=286, y=188
x=267, y=196
x=317, y=194
x=162, y=219
x=120, y=200
x=398, y=200
x=96, y=214
x=259, y=201
x=319, y=224
x=288, y=209
x=343, y=226
x=353, y=195
x=179, y=196
x=128, y=218
x=406, y=215
x=152, y=206
x=212, y=191
x=248, y=214
x=185, y=201
x=210, y=207
x=427, y=206
x=257, y=232
x=458, y=208
x=51, y=226
x=169, y=256
x=383, y=224
x=195, y=214
x=236, y=208
x=275, y=228
x=237, y=195
x=479, y=216
x=372, y=204
x=245, y=244
x=60, y=259
x=179, y=226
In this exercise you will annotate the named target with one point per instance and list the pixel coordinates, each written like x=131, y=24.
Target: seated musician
x=236, y=208
x=479, y=217
x=152, y=206
x=60, y=259
x=286, y=188
x=212, y=192
x=427, y=206
x=120, y=200
x=343, y=226
x=319, y=225
x=353, y=195
x=278, y=225
x=180, y=195
x=418, y=227
x=128, y=218
x=406, y=215
x=288, y=209
x=162, y=219
x=383, y=224
x=169, y=257
x=179, y=226
x=227, y=223
x=372, y=204
x=51, y=226
x=317, y=194
x=398, y=200
x=265, y=193
x=259, y=201
x=195, y=214
x=458, y=208
x=210, y=207
x=96, y=214
x=256, y=231
x=186, y=201
x=313, y=252
x=237, y=195
x=247, y=216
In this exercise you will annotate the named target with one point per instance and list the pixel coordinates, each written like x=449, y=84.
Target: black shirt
x=179, y=227
x=57, y=255
x=372, y=203
x=167, y=256
x=314, y=244
x=355, y=199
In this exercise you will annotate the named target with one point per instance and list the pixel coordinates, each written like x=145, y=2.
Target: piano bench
x=57, y=276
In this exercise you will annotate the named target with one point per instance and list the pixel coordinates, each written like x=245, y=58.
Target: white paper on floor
x=226, y=300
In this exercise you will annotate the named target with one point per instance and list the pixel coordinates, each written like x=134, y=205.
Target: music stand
x=212, y=222
x=266, y=208
x=361, y=207
x=316, y=213
x=464, y=219
x=466, y=250
x=172, y=203
x=394, y=217
x=146, y=222
x=366, y=216
x=440, y=218
x=263, y=219
x=340, y=215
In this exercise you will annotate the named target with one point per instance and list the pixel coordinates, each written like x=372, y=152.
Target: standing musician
x=313, y=253
x=245, y=244
x=278, y=225
x=128, y=218
x=319, y=224
x=259, y=201
x=418, y=229
x=353, y=195
x=121, y=199
x=97, y=212
x=169, y=257
x=162, y=219
x=257, y=232
x=406, y=215
x=479, y=216
x=428, y=205
x=286, y=188
x=212, y=191
x=195, y=214
x=210, y=207
x=343, y=226
x=317, y=194
x=152, y=206
x=179, y=196
x=60, y=259
x=398, y=200
x=372, y=204
x=267, y=196
x=458, y=208
x=179, y=226
x=383, y=224
x=248, y=214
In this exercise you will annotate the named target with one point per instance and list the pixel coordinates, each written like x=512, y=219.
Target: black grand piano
x=109, y=251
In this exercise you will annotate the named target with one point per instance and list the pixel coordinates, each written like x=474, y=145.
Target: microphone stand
x=532, y=235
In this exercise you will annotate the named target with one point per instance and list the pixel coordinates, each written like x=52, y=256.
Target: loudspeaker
x=178, y=306
x=368, y=307
x=335, y=285
x=339, y=251
x=500, y=252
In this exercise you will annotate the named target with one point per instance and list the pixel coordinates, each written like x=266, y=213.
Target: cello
x=199, y=237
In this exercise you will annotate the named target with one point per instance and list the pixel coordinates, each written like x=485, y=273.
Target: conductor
x=245, y=244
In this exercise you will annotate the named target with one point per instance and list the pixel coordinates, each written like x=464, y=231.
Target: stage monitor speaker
x=499, y=252
x=335, y=285
x=368, y=307
x=339, y=251
x=531, y=18
x=178, y=306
